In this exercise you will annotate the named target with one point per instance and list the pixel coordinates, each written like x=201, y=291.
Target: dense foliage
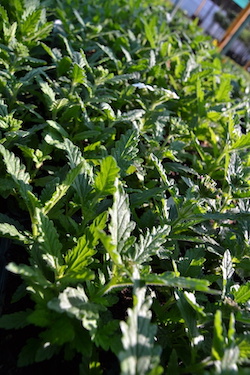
x=125, y=178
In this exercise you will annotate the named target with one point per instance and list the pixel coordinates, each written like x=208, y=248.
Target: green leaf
x=108, y=51
x=244, y=346
x=121, y=225
x=74, y=302
x=227, y=265
x=30, y=23
x=242, y=143
x=32, y=274
x=173, y=365
x=150, y=244
x=170, y=280
x=105, y=180
x=218, y=339
x=125, y=150
x=78, y=258
x=140, y=355
x=83, y=182
x=163, y=175
x=60, y=331
x=48, y=92
x=10, y=231
x=189, y=316
x=61, y=189
x=48, y=241
x=242, y=295
x=149, y=29
x=4, y=14
x=227, y=270
x=15, y=321
x=17, y=171
x=35, y=350
x=224, y=90
x=78, y=75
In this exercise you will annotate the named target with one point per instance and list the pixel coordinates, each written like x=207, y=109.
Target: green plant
x=124, y=149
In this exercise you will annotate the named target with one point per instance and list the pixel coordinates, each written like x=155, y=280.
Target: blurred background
x=216, y=16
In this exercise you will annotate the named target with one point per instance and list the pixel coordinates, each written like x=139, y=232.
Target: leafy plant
x=124, y=182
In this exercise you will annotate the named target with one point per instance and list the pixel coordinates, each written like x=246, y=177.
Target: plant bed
x=124, y=159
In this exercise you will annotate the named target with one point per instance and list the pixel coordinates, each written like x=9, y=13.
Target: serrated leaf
x=15, y=321
x=189, y=316
x=49, y=243
x=74, y=302
x=244, y=346
x=227, y=266
x=78, y=75
x=121, y=225
x=48, y=92
x=224, y=90
x=162, y=173
x=17, y=171
x=150, y=244
x=35, y=350
x=58, y=127
x=242, y=143
x=30, y=23
x=242, y=295
x=108, y=51
x=235, y=170
x=10, y=231
x=32, y=274
x=78, y=258
x=4, y=14
x=140, y=355
x=83, y=182
x=126, y=150
x=61, y=331
x=191, y=299
x=170, y=280
x=61, y=189
x=173, y=365
x=105, y=179
x=42, y=32
x=149, y=29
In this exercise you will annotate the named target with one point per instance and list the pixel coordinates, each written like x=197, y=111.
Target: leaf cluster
x=125, y=152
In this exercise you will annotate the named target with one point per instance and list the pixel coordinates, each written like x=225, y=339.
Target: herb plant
x=125, y=179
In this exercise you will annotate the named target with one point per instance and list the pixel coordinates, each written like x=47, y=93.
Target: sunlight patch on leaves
x=140, y=354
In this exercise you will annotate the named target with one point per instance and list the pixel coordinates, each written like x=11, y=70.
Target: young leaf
x=242, y=295
x=170, y=280
x=150, y=244
x=125, y=150
x=140, y=355
x=10, y=231
x=163, y=175
x=31, y=274
x=74, y=302
x=62, y=188
x=224, y=90
x=227, y=270
x=78, y=258
x=105, y=179
x=189, y=316
x=83, y=182
x=120, y=225
x=48, y=240
x=16, y=320
x=17, y=171
x=242, y=143
x=218, y=339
